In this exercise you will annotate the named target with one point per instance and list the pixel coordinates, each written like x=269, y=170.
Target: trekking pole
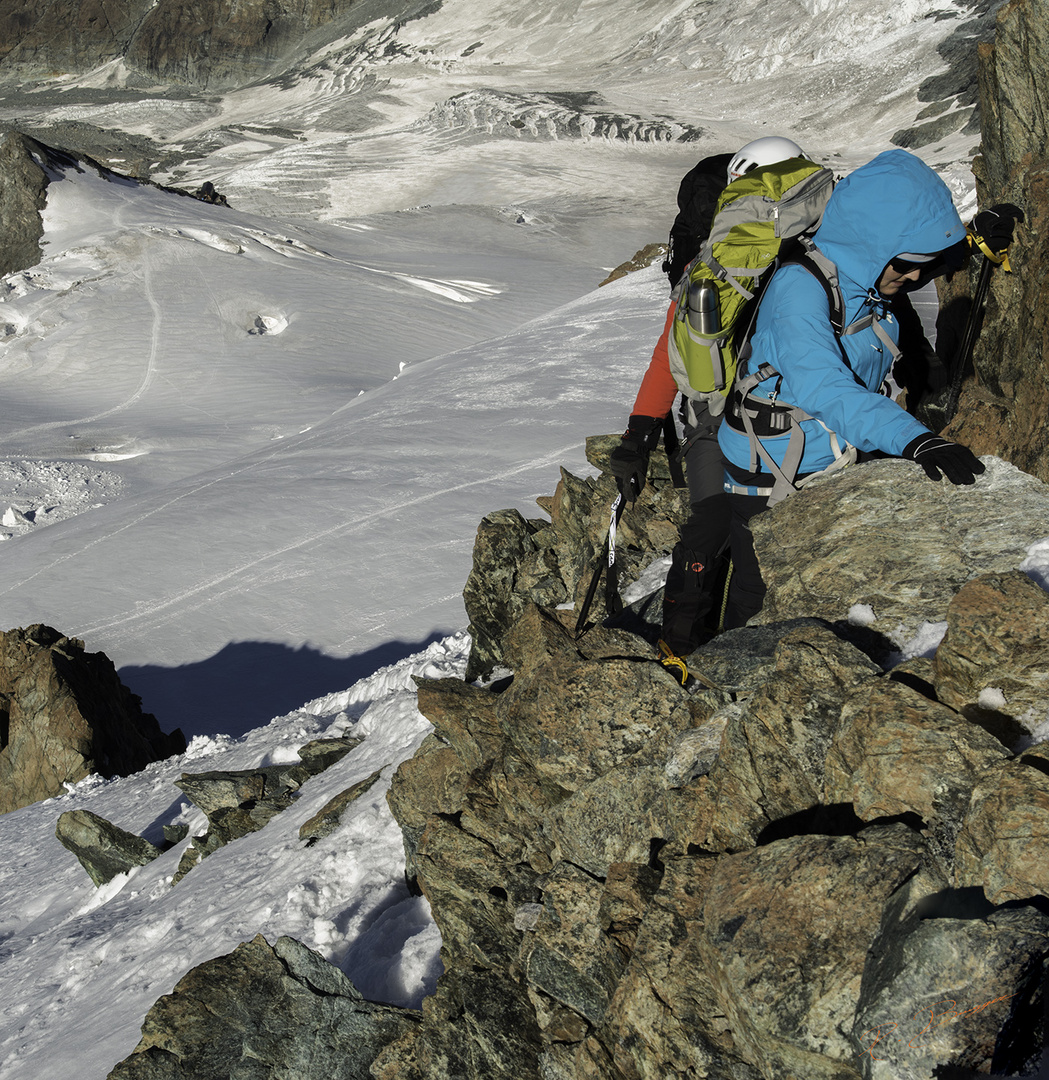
x=608, y=559
x=991, y=259
x=965, y=352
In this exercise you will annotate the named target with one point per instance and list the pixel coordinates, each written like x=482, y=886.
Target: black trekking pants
x=746, y=593
x=688, y=596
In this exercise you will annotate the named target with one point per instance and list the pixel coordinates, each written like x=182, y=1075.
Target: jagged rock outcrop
x=767, y=873
x=64, y=713
x=281, y=1012
x=242, y=801
x=102, y=848
x=838, y=866
x=1003, y=409
x=879, y=535
x=205, y=42
x=23, y=187
x=518, y=562
x=329, y=816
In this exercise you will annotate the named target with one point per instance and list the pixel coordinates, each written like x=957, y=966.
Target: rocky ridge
x=235, y=803
x=205, y=43
x=760, y=875
x=811, y=863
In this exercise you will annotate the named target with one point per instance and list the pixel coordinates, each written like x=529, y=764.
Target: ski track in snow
x=139, y=621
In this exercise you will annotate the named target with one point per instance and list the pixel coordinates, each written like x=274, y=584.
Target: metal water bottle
x=703, y=313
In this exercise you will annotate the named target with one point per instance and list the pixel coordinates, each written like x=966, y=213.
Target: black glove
x=958, y=463
x=629, y=460
x=995, y=226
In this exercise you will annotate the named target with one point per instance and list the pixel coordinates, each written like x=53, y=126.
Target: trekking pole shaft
x=972, y=326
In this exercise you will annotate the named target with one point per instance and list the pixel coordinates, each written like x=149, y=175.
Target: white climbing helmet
x=764, y=151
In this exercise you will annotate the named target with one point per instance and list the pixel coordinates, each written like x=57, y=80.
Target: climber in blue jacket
x=889, y=226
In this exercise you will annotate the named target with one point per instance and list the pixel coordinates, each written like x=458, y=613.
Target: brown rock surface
x=64, y=714
x=997, y=640
x=1003, y=408
x=1003, y=842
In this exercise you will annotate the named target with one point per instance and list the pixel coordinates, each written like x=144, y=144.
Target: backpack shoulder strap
x=805, y=253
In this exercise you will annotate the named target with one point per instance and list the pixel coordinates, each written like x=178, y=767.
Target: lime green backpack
x=754, y=215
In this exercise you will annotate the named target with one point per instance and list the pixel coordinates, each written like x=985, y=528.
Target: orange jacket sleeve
x=658, y=389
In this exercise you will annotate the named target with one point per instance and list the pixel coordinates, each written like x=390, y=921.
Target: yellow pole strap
x=1001, y=258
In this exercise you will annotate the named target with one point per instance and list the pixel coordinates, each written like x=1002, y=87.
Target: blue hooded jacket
x=893, y=205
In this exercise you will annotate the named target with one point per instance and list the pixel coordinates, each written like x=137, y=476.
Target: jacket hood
x=891, y=205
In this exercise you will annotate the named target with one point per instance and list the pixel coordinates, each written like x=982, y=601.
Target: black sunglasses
x=905, y=266
x=942, y=262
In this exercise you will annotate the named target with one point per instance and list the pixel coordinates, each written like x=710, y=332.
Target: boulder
x=792, y=1005
x=772, y=756
x=281, y=1012
x=1002, y=844
x=994, y=657
x=898, y=754
x=235, y=803
x=948, y=986
x=103, y=849
x=883, y=535
x=64, y=714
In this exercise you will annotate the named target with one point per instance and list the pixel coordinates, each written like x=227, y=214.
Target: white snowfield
x=244, y=451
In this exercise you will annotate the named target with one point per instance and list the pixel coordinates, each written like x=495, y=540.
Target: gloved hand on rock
x=940, y=458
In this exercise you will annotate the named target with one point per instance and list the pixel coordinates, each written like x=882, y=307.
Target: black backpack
x=697, y=198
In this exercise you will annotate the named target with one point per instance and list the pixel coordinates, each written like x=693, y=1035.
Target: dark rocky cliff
x=64, y=713
x=211, y=43
x=1005, y=405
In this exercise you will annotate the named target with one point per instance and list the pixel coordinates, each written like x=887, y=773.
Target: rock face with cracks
x=837, y=870
x=64, y=713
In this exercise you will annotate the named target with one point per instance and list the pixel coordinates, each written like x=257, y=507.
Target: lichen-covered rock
x=236, y=803
x=794, y=1005
x=953, y=987
x=492, y=598
x=102, y=848
x=667, y=1017
x=479, y=1025
x=567, y=956
x=899, y=753
x=995, y=654
x=280, y=1012
x=614, y=819
x=772, y=755
x=1003, y=845
x=575, y=720
x=884, y=535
